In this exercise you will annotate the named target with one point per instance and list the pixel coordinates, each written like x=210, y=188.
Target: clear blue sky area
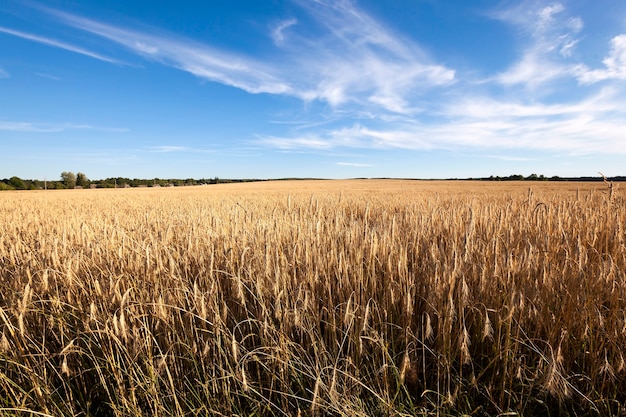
x=312, y=88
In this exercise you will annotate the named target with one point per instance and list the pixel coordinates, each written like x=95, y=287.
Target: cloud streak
x=552, y=38
x=355, y=164
x=355, y=60
x=592, y=126
x=614, y=64
x=178, y=149
x=187, y=55
x=359, y=60
x=168, y=149
x=34, y=127
x=278, y=31
x=57, y=44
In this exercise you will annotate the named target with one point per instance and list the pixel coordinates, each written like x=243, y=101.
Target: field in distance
x=330, y=297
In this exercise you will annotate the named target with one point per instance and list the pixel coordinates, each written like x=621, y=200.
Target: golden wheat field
x=361, y=297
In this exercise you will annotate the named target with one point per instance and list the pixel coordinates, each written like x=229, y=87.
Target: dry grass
x=314, y=298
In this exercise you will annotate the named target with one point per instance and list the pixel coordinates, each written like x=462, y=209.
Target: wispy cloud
x=48, y=76
x=167, y=149
x=359, y=60
x=28, y=127
x=35, y=127
x=57, y=44
x=310, y=141
x=355, y=164
x=187, y=55
x=99, y=128
x=355, y=60
x=590, y=121
x=592, y=126
x=614, y=64
x=278, y=30
x=508, y=158
x=551, y=37
x=4, y=74
x=178, y=149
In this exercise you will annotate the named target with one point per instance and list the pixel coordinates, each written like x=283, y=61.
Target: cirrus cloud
x=355, y=60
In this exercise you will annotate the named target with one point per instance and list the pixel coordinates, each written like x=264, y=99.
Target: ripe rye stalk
x=341, y=298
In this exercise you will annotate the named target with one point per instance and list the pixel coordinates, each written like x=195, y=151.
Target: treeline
x=69, y=180
x=122, y=182
x=535, y=177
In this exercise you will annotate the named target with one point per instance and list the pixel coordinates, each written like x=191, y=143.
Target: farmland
x=360, y=297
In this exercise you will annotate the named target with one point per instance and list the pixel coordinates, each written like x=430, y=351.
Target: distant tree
x=69, y=179
x=82, y=180
x=17, y=183
x=106, y=183
x=4, y=185
x=516, y=177
x=36, y=185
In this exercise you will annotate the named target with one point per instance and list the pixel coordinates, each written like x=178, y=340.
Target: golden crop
x=317, y=297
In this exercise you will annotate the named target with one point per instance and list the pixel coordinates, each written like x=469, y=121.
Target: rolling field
x=360, y=297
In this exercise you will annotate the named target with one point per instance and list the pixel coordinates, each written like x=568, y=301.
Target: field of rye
x=314, y=298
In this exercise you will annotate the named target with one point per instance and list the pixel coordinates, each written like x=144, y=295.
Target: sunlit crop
x=314, y=298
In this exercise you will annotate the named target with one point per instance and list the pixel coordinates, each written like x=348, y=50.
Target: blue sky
x=312, y=88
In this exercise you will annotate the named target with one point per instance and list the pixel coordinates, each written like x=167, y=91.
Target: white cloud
x=614, y=64
x=355, y=164
x=278, y=30
x=178, y=149
x=552, y=39
x=594, y=125
x=578, y=134
x=355, y=60
x=48, y=76
x=360, y=60
x=508, y=158
x=35, y=127
x=28, y=127
x=200, y=60
x=146, y=49
x=575, y=24
x=568, y=47
x=532, y=70
x=167, y=149
x=546, y=16
x=92, y=127
x=310, y=141
x=58, y=44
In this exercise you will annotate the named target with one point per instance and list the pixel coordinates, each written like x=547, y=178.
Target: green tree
x=82, y=180
x=69, y=179
x=17, y=183
x=5, y=186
